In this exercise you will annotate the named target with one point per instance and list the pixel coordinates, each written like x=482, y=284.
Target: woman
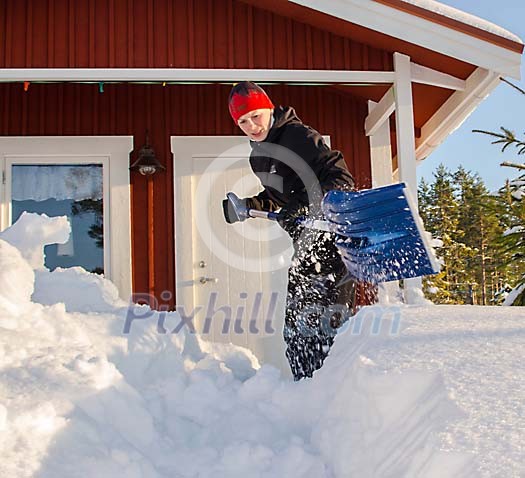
x=296, y=167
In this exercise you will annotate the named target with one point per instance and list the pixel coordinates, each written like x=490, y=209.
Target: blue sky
x=504, y=107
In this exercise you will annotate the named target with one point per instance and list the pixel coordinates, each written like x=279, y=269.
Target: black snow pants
x=318, y=302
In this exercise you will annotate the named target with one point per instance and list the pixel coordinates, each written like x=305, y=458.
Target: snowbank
x=16, y=294
x=77, y=289
x=33, y=231
x=79, y=398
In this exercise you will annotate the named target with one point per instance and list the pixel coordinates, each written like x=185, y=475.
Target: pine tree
x=512, y=241
x=435, y=286
x=458, y=209
x=480, y=228
x=439, y=210
x=512, y=199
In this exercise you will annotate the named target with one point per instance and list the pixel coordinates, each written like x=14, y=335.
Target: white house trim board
x=420, y=31
x=110, y=151
x=455, y=110
x=429, y=76
x=204, y=75
x=379, y=112
x=380, y=153
x=182, y=239
x=419, y=74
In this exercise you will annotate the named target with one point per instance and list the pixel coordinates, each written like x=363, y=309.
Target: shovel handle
x=241, y=213
x=308, y=223
x=274, y=216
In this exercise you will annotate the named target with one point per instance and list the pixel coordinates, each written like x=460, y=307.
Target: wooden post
x=381, y=153
x=406, y=147
x=381, y=163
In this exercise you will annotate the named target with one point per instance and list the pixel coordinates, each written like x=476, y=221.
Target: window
x=83, y=178
x=74, y=191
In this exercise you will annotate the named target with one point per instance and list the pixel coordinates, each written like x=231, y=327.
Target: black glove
x=234, y=209
x=289, y=216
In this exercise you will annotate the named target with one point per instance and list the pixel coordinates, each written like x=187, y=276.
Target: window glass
x=74, y=191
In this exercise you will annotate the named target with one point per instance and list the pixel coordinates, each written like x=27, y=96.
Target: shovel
x=380, y=235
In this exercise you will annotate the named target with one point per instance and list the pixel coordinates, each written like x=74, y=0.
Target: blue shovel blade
x=382, y=237
x=377, y=210
x=365, y=203
x=401, y=258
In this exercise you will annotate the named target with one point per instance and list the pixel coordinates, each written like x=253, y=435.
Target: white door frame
x=183, y=240
x=110, y=151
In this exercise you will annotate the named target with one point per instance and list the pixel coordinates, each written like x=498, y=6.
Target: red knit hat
x=245, y=97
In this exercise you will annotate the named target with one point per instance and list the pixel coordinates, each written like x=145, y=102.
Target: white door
x=232, y=276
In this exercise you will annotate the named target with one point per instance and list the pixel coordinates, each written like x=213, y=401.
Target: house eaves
x=431, y=29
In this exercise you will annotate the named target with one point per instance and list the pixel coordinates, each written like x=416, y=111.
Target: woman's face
x=256, y=124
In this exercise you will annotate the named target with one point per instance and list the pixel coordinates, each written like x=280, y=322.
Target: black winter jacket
x=302, y=177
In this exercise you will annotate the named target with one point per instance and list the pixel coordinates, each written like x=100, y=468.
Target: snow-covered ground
x=406, y=391
x=480, y=352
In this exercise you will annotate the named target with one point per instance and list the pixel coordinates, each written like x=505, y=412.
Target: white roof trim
x=194, y=75
x=420, y=74
x=420, y=31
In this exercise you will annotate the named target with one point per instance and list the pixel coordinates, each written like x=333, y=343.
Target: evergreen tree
x=439, y=210
x=512, y=241
x=480, y=229
x=458, y=209
x=512, y=199
x=424, y=200
x=434, y=286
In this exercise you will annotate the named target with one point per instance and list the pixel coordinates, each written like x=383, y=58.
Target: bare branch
x=513, y=165
x=513, y=85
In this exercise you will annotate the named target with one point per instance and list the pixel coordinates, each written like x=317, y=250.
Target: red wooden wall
x=167, y=33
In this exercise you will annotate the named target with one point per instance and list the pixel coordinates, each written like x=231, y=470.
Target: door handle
x=205, y=280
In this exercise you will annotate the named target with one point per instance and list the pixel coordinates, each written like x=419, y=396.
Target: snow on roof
x=463, y=17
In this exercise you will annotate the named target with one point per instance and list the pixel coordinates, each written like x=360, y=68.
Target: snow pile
x=86, y=292
x=80, y=398
x=33, y=231
x=15, y=296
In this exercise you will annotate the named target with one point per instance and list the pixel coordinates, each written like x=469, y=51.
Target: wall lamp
x=147, y=163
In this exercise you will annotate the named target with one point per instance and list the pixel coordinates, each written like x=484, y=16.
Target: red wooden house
x=83, y=80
